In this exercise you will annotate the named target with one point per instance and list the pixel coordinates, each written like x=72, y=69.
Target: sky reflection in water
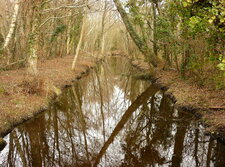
x=111, y=119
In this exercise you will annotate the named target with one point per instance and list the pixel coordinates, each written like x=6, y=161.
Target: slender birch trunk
x=79, y=44
x=81, y=37
x=12, y=25
x=68, y=41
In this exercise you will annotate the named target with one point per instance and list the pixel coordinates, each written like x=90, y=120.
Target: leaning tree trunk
x=142, y=46
x=12, y=25
x=78, y=45
x=68, y=39
x=81, y=37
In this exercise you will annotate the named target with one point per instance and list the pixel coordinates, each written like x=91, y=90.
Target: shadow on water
x=109, y=118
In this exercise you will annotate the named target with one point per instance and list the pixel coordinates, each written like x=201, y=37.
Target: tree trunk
x=34, y=38
x=12, y=25
x=79, y=44
x=68, y=39
x=185, y=57
x=142, y=46
x=33, y=47
x=81, y=37
x=32, y=59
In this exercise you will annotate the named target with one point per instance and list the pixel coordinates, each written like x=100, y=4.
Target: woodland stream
x=111, y=118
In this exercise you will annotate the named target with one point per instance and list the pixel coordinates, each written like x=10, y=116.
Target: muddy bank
x=204, y=102
x=22, y=97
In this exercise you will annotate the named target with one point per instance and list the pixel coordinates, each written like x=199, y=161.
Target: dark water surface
x=111, y=119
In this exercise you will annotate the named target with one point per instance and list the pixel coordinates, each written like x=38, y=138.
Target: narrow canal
x=111, y=118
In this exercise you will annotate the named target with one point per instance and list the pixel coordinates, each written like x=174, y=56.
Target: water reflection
x=111, y=119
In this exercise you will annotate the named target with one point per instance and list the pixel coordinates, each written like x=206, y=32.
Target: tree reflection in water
x=111, y=119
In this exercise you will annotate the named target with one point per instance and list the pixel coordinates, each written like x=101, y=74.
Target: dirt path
x=203, y=101
x=21, y=97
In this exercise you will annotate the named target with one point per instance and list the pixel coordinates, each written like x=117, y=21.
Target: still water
x=109, y=118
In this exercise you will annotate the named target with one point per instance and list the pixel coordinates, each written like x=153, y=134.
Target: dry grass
x=21, y=97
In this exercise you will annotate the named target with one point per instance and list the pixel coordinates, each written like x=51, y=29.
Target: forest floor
x=203, y=101
x=22, y=97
